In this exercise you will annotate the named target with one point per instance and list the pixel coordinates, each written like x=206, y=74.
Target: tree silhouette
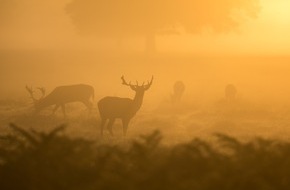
x=122, y=18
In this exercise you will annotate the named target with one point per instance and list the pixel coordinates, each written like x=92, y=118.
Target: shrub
x=50, y=161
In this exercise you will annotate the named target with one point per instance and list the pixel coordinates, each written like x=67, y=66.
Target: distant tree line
x=123, y=18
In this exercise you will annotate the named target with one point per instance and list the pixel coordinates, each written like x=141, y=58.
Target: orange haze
x=40, y=46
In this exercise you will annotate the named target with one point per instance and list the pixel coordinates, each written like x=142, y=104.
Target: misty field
x=205, y=141
x=177, y=123
x=74, y=156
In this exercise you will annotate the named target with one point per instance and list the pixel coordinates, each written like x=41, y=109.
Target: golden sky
x=44, y=24
x=268, y=34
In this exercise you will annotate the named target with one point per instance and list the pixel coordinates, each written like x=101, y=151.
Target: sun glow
x=277, y=11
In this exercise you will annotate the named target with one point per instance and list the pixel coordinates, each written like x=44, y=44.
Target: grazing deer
x=111, y=108
x=62, y=95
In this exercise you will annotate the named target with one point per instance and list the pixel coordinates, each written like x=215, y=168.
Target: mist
x=41, y=46
x=145, y=94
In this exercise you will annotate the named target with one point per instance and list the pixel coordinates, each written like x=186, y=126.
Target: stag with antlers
x=62, y=95
x=111, y=108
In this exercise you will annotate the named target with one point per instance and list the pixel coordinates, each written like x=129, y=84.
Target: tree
x=121, y=18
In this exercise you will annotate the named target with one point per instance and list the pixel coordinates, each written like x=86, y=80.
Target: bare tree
x=121, y=18
x=111, y=108
x=62, y=95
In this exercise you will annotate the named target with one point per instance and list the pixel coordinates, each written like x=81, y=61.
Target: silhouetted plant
x=37, y=160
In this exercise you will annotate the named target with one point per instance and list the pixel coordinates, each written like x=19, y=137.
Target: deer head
x=31, y=93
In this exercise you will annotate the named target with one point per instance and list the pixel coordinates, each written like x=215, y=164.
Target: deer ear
x=133, y=87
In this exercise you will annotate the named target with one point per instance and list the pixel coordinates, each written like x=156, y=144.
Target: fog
x=144, y=94
x=43, y=44
x=261, y=79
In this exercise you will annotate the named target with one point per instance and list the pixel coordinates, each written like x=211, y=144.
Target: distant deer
x=178, y=91
x=62, y=95
x=111, y=108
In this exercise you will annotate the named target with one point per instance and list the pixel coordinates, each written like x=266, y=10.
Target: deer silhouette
x=111, y=108
x=62, y=95
x=178, y=91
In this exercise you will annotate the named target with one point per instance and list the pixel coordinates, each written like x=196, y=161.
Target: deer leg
x=55, y=108
x=110, y=124
x=63, y=110
x=125, y=126
x=103, y=122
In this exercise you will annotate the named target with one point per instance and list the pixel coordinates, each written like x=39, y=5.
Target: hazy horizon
x=41, y=46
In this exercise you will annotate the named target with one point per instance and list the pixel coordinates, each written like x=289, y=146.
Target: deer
x=112, y=108
x=62, y=95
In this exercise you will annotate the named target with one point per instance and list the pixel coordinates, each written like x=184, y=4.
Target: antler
x=42, y=90
x=134, y=87
x=30, y=91
x=148, y=85
x=125, y=83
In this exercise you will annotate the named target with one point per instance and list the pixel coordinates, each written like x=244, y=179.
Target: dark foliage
x=50, y=161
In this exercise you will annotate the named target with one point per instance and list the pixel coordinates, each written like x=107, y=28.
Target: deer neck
x=138, y=100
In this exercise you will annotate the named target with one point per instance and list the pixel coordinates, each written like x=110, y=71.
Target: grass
x=195, y=149
x=52, y=160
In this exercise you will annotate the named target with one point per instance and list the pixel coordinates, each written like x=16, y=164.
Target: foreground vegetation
x=36, y=160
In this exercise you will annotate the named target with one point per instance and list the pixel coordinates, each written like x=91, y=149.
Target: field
x=222, y=148
x=177, y=123
x=204, y=141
